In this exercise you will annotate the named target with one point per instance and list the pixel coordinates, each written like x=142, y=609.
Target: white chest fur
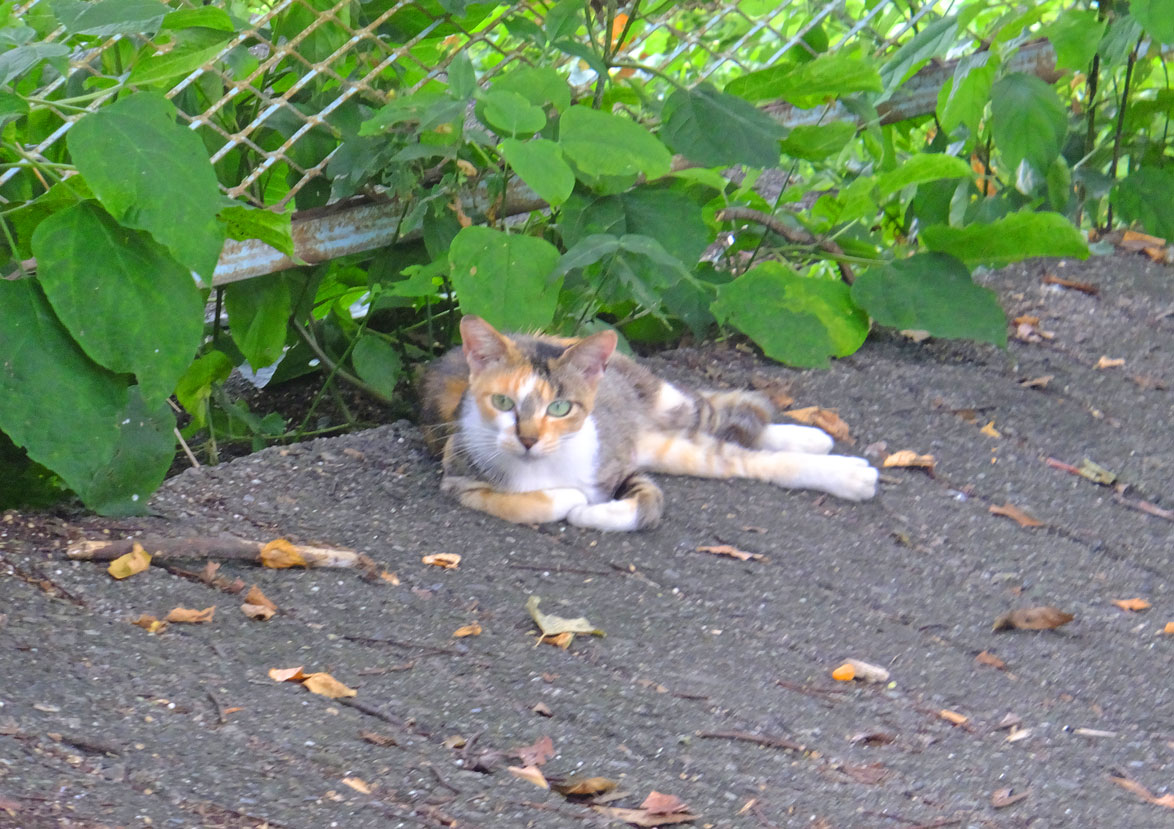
x=572, y=463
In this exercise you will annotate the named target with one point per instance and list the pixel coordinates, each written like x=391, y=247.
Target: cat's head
x=532, y=392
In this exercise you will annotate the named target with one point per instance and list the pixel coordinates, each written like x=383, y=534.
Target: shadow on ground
x=713, y=682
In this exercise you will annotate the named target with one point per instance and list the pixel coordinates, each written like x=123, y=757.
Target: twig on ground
x=745, y=736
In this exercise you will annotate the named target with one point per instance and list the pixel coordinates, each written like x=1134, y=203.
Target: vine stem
x=1121, y=123
x=795, y=235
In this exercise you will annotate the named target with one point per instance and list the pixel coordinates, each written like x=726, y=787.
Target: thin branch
x=797, y=236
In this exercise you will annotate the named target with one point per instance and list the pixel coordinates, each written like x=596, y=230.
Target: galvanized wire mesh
x=274, y=101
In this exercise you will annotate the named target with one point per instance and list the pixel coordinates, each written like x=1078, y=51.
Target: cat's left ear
x=590, y=355
x=483, y=344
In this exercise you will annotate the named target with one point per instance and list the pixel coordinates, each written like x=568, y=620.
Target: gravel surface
x=713, y=682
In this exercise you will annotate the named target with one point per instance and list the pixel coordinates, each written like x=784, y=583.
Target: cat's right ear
x=483, y=344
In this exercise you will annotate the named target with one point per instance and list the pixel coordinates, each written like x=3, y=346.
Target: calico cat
x=536, y=428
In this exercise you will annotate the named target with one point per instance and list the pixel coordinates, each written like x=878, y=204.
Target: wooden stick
x=215, y=547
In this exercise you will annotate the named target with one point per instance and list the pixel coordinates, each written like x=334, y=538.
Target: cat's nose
x=527, y=441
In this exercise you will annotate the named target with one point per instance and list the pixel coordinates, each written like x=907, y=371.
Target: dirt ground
x=713, y=682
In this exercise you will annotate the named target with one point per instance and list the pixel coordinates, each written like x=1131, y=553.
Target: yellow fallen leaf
x=907, y=457
x=390, y=578
x=357, y=784
x=579, y=786
x=287, y=674
x=448, y=561
x=1109, y=362
x=255, y=596
x=258, y=612
x=150, y=624
x=1033, y=618
x=455, y=741
x=1132, y=605
x=560, y=640
x=844, y=673
x=990, y=431
x=136, y=561
x=280, y=554
x=953, y=716
x=190, y=616
x=552, y=625
x=1169, y=629
x=467, y=630
x=531, y=774
x=732, y=552
x=327, y=686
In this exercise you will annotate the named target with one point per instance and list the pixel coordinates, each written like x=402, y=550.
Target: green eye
x=502, y=403
x=559, y=408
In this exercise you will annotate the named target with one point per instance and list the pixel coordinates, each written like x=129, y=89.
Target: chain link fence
x=274, y=90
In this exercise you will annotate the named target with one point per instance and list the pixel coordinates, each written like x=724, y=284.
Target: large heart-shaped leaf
x=505, y=278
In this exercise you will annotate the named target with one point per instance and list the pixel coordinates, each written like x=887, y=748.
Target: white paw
x=564, y=501
x=458, y=485
x=787, y=437
x=849, y=478
x=611, y=516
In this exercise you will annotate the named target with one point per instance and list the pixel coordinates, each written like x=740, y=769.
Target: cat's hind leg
x=638, y=506
x=536, y=507
x=791, y=437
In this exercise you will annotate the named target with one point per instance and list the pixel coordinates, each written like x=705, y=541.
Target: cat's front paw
x=610, y=516
x=564, y=501
x=849, y=478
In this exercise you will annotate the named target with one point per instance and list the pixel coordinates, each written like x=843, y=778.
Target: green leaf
x=815, y=142
x=1010, y=239
x=808, y=84
x=377, y=364
x=1156, y=17
x=931, y=292
x=68, y=413
x=602, y=144
x=110, y=17
x=963, y=100
x=583, y=53
x=15, y=62
x=794, y=319
x=422, y=107
x=274, y=229
x=462, y=80
x=258, y=317
x=153, y=175
x=715, y=129
x=540, y=164
x=505, y=278
x=206, y=17
x=131, y=307
x=932, y=41
x=510, y=113
x=921, y=168
x=141, y=458
x=1075, y=35
x=195, y=386
x=537, y=84
x=192, y=49
x=1144, y=197
x=563, y=19
x=421, y=280
x=11, y=107
x=1028, y=121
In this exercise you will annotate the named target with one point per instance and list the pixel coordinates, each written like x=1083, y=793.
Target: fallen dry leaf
x=866, y=671
x=825, y=419
x=1001, y=798
x=872, y=738
x=907, y=457
x=258, y=612
x=190, y=616
x=455, y=741
x=1033, y=618
x=658, y=803
x=639, y=817
x=1038, y=382
x=287, y=674
x=918, y=335
x=732, y=552
x=1169, y=629
x=1016, y=514
x=990, y=431
x=531, y=774
x=448, y=561
x=1096, y=473
x=327, y=686
x=1141, y=791
x=536, y=753
x=1017, y=734
x=988, y=658
x=1132, y=605
x=541, y=708
x=150, y=624
x=280, y=554
x=561, y=640
x=255, y=596
x=552, y=625
x=1027, y=329
x=953, y=716
x=844, y=673
x=1109, y=362
x=1083, y=287
x=579, y=786
x=375, y=738
x=136, y=561
x=390, y=578
x=357, y=784
x=473, y=629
